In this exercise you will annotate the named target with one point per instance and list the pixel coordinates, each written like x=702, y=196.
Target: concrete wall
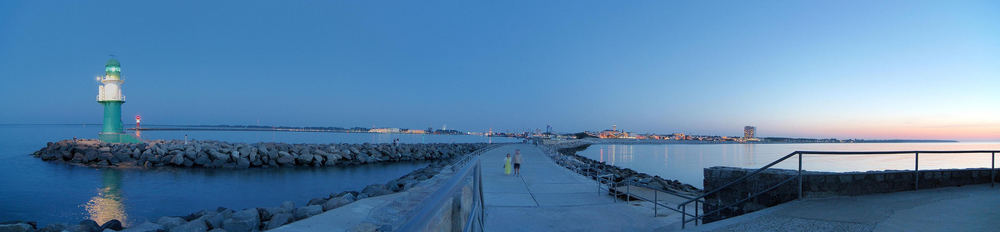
x=452, y=214
x=818, y=184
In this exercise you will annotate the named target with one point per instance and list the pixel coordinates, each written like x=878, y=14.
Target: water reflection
x=617, y=153
x=107, y=204
x=666, y=156
x=686, y=162
x=750, y=156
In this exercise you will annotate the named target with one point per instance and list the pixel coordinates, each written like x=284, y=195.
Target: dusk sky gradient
x=844, y=69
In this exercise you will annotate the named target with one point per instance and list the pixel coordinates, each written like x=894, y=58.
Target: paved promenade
x=548, y=197
x=967, y=208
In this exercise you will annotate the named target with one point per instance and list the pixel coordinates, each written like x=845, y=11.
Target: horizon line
x=790, y=137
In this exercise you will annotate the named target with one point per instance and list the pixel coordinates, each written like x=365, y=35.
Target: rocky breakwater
x=216, y=154
x=565, y=155
x=250, y=219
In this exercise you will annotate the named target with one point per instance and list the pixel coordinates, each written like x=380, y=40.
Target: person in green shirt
x=506, y=165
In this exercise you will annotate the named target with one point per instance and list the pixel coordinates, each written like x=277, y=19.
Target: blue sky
x=885, y=69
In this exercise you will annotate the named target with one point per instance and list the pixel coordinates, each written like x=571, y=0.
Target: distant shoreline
x=453, y=132
x=652, y=142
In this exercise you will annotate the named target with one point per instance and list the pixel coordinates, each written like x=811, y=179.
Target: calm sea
x=686, y=162
x=33, y=190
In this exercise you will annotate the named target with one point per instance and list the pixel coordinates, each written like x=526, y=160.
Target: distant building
x=416, y=131
x=614, y=133
x=384, y=130
x=749, y=133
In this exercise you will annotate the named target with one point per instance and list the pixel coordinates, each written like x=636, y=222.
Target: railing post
x=696, y=212
x=800, y=176
x=656, y=201
x=482, y=202
x=916, y=171
x=993, y=164
x=628, y=191
x=598, y=179
x=683, y=215
x=611, y=185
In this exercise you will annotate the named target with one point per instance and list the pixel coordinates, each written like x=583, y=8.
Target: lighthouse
x=109, y=94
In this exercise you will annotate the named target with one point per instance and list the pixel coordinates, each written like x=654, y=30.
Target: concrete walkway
x=967, y=208
x=548, y=197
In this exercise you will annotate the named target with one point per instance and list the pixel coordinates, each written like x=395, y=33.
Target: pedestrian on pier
x=517, y=162
x=506, y=165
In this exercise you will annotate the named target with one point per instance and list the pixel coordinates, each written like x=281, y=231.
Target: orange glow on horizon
x=961, y=132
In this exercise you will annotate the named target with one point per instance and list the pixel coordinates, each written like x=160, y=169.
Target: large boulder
x=218, y=163
x=203, y=161
x=146, y=227
x=122, y=156
x=197, y=225
x=177, y=160
x=307, y=211
x=54, y=227
x=113, y=224
x=50, y=156
x=242, y=163
x=218, y=155
x=363, y=158
x=17, y=227
x=268, y=213
x=190, y=153
x=89, y=156
x=375, y=190
x=252, y=154
x=273, y=154
x=244, y=220
x=147, y=155
x=215, y=219
x=286, y=160
x=85, y=226
x=243, y=151
x=304, y=159
x=338, y=201
x=170, y=222
x=316, y=201
x=278, y=220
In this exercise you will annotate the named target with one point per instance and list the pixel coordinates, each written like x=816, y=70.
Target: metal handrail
x=739, y=179
x=745, y=199
x=479, y=205
x=605, y=179
x=656, y=201
x=683, y=206
x=469, y=165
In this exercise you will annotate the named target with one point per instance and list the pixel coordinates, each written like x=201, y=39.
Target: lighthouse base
x=118, y=138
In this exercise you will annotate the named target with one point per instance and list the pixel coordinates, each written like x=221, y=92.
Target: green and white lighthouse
x=109, y=94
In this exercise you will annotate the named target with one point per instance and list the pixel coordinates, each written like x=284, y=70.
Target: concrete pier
x=966, y=208
x=548, y=197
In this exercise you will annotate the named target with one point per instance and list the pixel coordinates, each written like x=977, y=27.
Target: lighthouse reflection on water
x=107, y=204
